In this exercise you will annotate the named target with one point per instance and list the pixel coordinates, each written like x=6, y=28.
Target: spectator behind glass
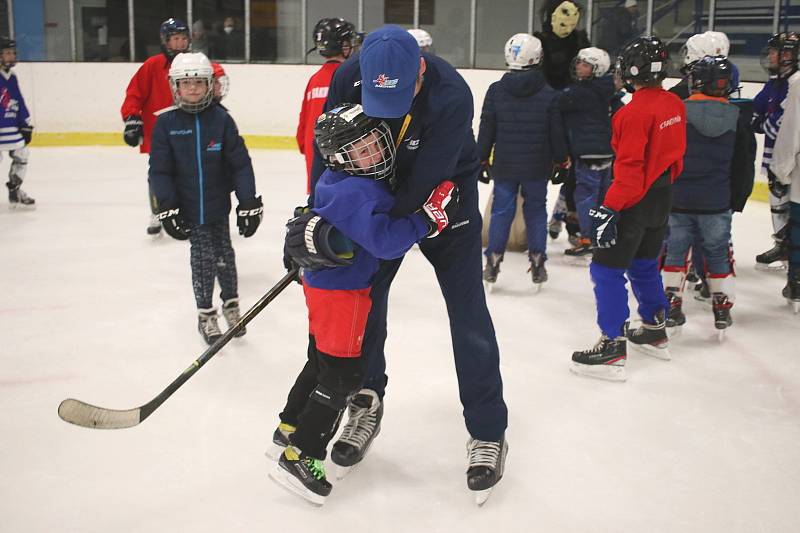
x=199, y=38
x=231, y=44
x=619, y=25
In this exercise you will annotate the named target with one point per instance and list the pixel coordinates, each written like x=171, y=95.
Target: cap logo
x=383, y=82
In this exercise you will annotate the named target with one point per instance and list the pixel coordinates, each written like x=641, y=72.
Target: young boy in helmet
x=717, y=178
x=196, y=158
x=520, y=121
x=585, y=108
x=16, y=124
x=149, y=93
x=348, y=228
x=780, y=61
x=649, y=139
x=333, y=38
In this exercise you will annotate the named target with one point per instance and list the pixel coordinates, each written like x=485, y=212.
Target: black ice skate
x=605, y=361
x=18, y=199
x=776, y=258
x=702, y=293
x=154, y=227
x=492, y=269
x=207, y=325
x=363, y=425
x=555, y=225
x=280, y=440
x=302, y=475
x=792, y=290
x=537, y=269
x=486, y=463
x=651, y=338
x=230, y=310
x=675, y=318
x=721, y=306
x=580, y=254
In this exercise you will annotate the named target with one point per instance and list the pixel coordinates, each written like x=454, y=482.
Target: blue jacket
x=717, y=175
x=359, y=208
x=768, y=113
x=196, y=160
x=438, y=143
x=586, y=109
x=14, y=112
x=520, y=120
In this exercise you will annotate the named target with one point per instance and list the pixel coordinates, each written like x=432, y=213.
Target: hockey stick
x=90, y=416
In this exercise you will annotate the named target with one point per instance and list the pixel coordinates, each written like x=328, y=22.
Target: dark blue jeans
x=713, y=231
x=504, y=207
x=588, y=183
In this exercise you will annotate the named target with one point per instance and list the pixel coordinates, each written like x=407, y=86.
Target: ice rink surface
x=92, y=308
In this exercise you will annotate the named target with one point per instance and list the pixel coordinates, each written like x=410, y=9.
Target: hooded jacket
x=520, y=119
x=586, y=109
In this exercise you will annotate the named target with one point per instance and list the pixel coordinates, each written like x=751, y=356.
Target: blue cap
x=389, y=62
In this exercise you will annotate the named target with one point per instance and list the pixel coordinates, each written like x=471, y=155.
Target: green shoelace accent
x=316, y=467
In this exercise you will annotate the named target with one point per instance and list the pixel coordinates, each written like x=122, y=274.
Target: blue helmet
x=170, y=27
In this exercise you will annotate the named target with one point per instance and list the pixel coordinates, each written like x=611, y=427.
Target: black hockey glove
x=27, y=133
x=776, y=188
x=440, y=207
x=604, y=226
x=485, y=174
x=134, y=132
x=312, y=243
x=173, y=223
x=248, y=216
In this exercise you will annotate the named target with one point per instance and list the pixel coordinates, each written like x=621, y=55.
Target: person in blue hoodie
x=16, y=126
x=196, y=159
x=586, y=110
x=521, y=123
x=717, y=179
x=340, y=242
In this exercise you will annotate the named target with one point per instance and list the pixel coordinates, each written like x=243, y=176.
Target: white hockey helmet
x=523, y=50
x=597, y=57
x=721, y=43
x=697, y=47
x=423, y=38
x=191, y=65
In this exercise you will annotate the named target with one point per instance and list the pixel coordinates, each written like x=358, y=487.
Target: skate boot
x=573, y=228
x=363, y=425
x=581, y=253
x=492, y=269
x=280, y=440
x=18, y=199
x=722, y=313
x=154, y=227
x=702, y=293
x=675, y=318
x=555, y=225
x=776, y=258
x=537, y=269
x=792, y=290
x=605, y=361
x=651, y=338
x=230, y=310
x=207, y=325
x=486, y=462
x=302, y=475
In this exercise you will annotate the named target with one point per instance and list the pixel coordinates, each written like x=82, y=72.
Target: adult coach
x=429, y=108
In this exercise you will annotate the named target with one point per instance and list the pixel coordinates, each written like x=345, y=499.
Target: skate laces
x=315, y=466
x=483, y=453
x=361, y=424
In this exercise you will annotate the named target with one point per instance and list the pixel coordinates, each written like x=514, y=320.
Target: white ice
x=93, y=308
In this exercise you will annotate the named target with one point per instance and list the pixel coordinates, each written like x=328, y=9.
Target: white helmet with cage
x=191, y=66
x=597, y=58
x=721, y=43
x=423, y=38
x=522, y=51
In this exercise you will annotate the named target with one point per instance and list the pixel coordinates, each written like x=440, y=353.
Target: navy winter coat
x=586, y=110
x=520, y=119
x=196, y=160
x=719, y=164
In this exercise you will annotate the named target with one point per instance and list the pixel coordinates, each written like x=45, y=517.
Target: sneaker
x=302, y=475
x=365, y=412
x=606, y=360
x=230, y=310
x=207, y=325
x=280, y=440
x=537, y=268
x=486, y=463
x=651, y=338
x=492, y=268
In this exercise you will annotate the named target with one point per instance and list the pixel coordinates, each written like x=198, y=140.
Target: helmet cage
x=205, y=100
x=349, y=156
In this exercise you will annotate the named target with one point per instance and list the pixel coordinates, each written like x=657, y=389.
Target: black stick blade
x=90, y=416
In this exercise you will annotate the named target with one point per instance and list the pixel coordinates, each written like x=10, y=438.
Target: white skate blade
x=674, y=332
x=290, y=483
x=652, y=351
x=606, y=372
x=482, y=495
x=21, y=207
x=795, y=306
x=721, y=335
x=274, y=451
x=488, y=286
x=537, y=288
x=343, y=471
x=775, y=266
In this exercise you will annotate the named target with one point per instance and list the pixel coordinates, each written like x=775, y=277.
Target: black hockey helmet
x=7, y=43
x=330, y=36
x=643, y=60
x=786, y=46
x=349, y=140
x=711, y=76
x=171, y=27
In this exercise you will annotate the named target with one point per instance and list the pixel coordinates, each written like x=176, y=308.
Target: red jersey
x=147, y=93
x=313, y=105
x=648, y=137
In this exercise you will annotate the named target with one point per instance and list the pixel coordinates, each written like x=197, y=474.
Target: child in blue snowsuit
x=341, y=241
